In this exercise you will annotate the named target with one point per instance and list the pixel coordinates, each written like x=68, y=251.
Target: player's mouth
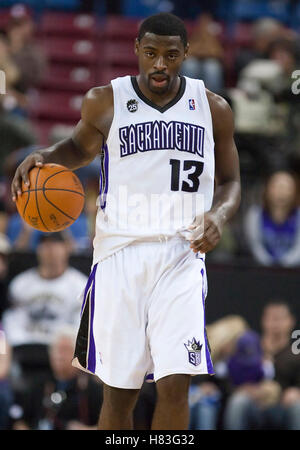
x=159, y=80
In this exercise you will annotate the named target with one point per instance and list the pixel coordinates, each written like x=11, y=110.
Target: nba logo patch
x=192, y=104
x=194, y=352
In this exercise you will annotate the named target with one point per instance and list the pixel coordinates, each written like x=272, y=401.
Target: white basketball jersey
x=157, y=169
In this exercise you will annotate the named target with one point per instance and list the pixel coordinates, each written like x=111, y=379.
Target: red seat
x=68, y=24
x=43, y=129
x=108, y=74
x=68, y=50
x=242, y=35
x=69, y=78
x=121, y=28
x=4, y=17
x=119, y=54
x=57, y=106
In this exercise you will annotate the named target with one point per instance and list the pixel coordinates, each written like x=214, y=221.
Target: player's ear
x=136, y=47
x=186, y=50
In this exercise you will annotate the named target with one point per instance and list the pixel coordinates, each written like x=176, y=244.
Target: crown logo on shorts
x=132, y=105
x=194, y=351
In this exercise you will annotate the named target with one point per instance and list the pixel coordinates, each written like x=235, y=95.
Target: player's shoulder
x=97, y=100
x=217, y=103
x=221, y=112
x=97, y=93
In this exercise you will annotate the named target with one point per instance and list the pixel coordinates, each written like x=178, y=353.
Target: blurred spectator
x=208, y=394
x=253, y=396
x=6, y=393
x=264, y=31
x=277, y=323
x=272, y=402
x=5, y=249
x=69, y=399
x=205, y=54
x=15, y=131
x=28, y=57
x=41, y=300
x=25, y=238
x=286, y=53
x=272, y=229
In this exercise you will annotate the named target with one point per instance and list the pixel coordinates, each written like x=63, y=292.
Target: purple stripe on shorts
x=210, y=368
x=87, y=287
x=92, y=350
x=150, y=377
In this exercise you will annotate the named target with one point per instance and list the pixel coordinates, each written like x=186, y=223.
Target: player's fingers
x=207, y=242
x=16, y=186
x=34, y=160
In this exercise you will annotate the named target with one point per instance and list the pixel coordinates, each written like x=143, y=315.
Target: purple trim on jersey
x=87, y=287
x=209, y=364
x=104, y=178
x=150, y=377
x=92, y=349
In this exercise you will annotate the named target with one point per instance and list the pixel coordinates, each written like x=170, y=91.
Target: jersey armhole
x=203, y=95
x=115, y=87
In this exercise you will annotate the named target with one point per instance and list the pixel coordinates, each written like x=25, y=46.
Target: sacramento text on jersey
x=159, y=135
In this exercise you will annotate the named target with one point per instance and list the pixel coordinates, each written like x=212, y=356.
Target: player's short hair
x=164, y=24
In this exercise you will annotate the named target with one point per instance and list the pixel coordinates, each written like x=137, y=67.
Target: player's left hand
x=205, y=236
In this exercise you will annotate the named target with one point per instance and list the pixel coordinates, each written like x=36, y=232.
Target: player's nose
x=160, y=64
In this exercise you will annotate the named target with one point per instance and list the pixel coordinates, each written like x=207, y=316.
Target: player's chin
x=158, y=89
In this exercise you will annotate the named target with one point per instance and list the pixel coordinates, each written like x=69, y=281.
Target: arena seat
x=44, y=127
x=69, y=78
x=68, y=50
x=56, y=106
x=242, y=34
x=119, y=54
x=121, y=28
x=254, y=9
x=107, y=74
x=4, y=16
x=68, y=24
x=63, y=5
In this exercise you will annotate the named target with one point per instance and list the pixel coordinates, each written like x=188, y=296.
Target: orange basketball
x=54, y=199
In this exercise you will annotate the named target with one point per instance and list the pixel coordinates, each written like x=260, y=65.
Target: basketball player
x=143, y=306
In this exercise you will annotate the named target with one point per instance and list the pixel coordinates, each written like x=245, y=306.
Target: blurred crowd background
x=248, y=51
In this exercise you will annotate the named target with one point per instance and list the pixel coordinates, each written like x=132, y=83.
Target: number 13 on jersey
x=178, y=168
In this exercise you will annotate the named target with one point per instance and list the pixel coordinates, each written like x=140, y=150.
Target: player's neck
x=159, y=99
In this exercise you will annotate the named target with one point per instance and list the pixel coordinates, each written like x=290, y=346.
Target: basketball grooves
x=45, y=189
x=53, y=189
x=56, y=207
x=25, y=206
x=36, y=199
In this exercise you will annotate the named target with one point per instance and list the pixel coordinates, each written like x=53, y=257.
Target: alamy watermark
x=140, y=212
x=296, y=343
x=296, y=83
x=2, y=82
x=2, y=343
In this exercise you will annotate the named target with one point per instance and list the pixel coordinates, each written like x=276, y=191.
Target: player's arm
x=84, y=144
x=227, y=193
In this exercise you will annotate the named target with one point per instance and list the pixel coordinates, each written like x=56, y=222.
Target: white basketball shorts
x=143, y=315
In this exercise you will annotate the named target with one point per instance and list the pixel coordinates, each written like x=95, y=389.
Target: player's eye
x=172, y=57
x=149, y=54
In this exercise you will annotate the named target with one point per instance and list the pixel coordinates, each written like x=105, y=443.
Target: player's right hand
x=35, y=159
